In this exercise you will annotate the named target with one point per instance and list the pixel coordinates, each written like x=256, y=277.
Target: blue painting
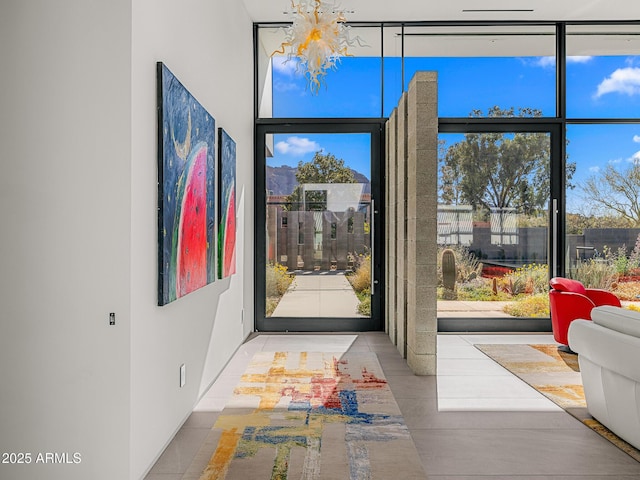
x=186, y=190
x=226, y=205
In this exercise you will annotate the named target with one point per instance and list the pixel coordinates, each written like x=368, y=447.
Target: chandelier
x=317, y=38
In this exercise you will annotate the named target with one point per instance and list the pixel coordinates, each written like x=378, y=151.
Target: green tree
x=616, y=192
x=323, y=168
x=499, y=170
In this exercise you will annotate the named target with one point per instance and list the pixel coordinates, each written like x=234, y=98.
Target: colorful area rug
x=556, y=375
x=312, y=416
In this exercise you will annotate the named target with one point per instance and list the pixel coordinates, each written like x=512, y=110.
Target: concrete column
x=401, y=215
x=421, y=221
x=390, y=248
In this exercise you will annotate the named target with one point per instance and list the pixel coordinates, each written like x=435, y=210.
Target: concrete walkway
x=319, y=294
x=462, y=308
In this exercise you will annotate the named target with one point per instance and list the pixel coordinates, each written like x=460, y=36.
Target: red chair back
x=567, y=285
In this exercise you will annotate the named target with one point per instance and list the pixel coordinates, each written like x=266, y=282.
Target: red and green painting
x=186, y=190
x=226, y=205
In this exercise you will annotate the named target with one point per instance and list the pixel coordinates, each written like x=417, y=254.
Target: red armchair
x=569, y=300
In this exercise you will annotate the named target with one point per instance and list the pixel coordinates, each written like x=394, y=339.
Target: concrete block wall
x=390, y=237
x=412, y=189
x=401, y=228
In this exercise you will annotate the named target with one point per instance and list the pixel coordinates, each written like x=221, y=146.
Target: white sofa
x=608, y=349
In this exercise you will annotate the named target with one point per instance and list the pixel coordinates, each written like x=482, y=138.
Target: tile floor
x=474, y=420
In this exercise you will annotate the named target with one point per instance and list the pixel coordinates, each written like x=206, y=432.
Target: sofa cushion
x=618, y=319
x=567, y=285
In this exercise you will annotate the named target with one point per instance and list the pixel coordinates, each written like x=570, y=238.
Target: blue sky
x=598, y=87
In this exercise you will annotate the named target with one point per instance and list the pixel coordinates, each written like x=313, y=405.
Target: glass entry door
x=317, y=268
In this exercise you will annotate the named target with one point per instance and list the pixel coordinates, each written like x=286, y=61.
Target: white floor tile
x=451, y=339
x=470, y=367
x=508, y=339
x=484, y=387
x=309, y=343
x=497, y=405
x=460, y=351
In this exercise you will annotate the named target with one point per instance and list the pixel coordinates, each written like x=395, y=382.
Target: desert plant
x=634, y=258
x=479, y=289
x=449, y=271
x=595, y=273
x=530, y=279
x=469, y=267
x=360, y=279
x=364, y=307
x=277, y=282
x=629, y=291
x=618, y=259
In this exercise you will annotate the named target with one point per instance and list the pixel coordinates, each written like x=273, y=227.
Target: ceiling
x=460, y=10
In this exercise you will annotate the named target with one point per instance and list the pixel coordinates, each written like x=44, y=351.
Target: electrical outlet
x=112, y=318
x=183, y=375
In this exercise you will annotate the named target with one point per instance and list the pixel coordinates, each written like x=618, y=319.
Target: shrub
x=617, y=259
x=629, y=291
x=364, y=307
x=529, y=279
x=595, y=273
x=531, y=306
x=278, y=280
x=479, y=289
x=360, y=279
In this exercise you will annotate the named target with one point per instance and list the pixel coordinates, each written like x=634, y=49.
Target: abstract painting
x=310, y=415
x=186, y=190
x=226, y=205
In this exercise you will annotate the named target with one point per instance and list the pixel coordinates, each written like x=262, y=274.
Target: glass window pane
x=492, y=225
x=603, y=214
x=352, y=89
x=481, y=68
x=392, y=44
x=603, y=71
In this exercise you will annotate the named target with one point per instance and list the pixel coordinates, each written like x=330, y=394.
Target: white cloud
x=297, y=146
x=285, y=87
x=636, y=138
x=546, y=62
x=615, y=161
x=550, y=62
x=635, y=158
x=594, y=169
x=285, y=66
x=623, y=80
x=579, y=59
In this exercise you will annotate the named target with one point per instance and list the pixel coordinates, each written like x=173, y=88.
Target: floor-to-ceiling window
x=602, y=246
x=536, y=122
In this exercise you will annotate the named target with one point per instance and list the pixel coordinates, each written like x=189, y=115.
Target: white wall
x=65, y=175
x=207, y=44
x=78, y=228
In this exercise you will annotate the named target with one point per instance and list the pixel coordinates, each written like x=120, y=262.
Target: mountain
x=282, y=180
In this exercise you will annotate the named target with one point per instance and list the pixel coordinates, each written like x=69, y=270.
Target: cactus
x=449, y=272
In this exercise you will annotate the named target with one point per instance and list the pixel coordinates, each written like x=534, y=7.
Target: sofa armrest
x=602, y=297
x=611, y=350
x=618, y=319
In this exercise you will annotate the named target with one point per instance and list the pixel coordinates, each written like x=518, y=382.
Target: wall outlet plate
x=183, y=375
